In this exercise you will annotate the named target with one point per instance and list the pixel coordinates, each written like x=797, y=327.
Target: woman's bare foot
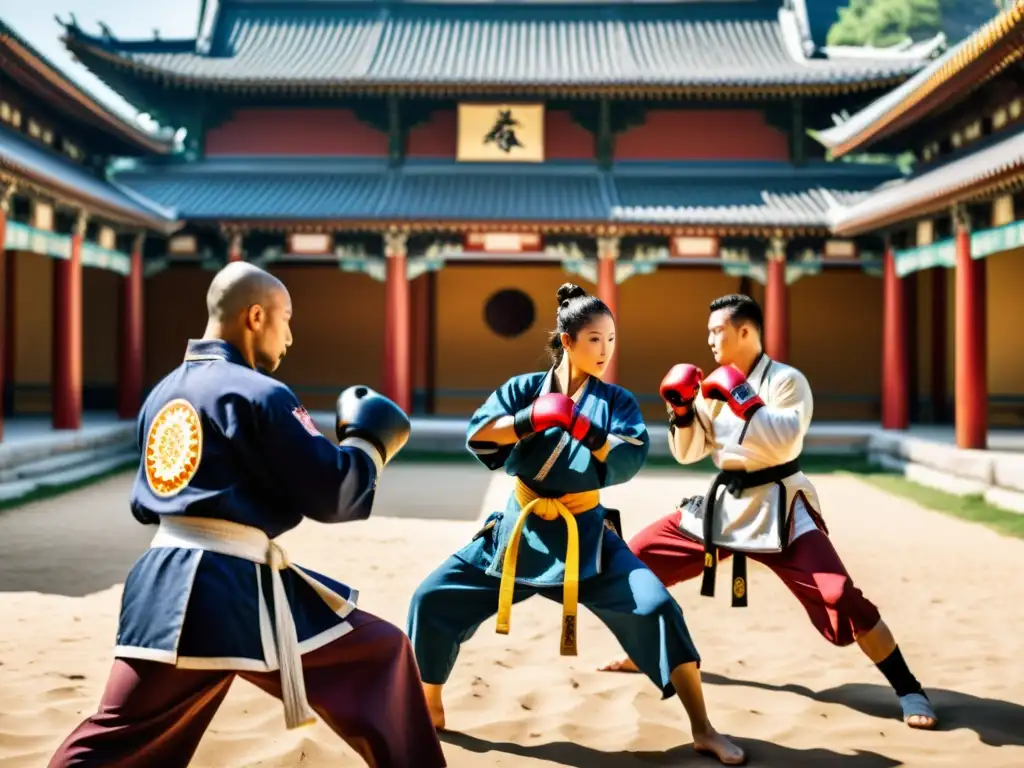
x=434, y=704
x=625, y=665
x=711, y=742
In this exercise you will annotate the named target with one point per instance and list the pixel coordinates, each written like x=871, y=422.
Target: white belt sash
x=248, y=543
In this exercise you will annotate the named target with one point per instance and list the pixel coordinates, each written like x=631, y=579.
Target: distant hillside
x=883, y=23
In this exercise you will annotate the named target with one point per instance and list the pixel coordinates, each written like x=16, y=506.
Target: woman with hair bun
x=564, y=434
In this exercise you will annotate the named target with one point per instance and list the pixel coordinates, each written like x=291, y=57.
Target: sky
x=132, y=19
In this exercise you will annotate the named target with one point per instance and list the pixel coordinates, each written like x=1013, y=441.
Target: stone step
x=16, y=452
x=16, y=489
x=60, y=462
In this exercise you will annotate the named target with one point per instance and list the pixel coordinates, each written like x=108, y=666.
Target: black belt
x=735, y=482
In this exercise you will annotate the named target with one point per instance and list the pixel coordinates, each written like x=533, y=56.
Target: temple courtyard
x=946, y=586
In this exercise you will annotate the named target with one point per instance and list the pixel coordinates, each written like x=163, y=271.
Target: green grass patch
x=49, y=491
x=971, y=508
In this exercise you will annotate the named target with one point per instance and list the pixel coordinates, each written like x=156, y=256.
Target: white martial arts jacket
x=751, y=521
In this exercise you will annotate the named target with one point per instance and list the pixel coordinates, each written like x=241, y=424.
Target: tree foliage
x=882, y=23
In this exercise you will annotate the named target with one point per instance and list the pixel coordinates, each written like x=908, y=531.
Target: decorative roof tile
x=752, y=196
x=356, y=191
x=486, y=45
x=22, y=158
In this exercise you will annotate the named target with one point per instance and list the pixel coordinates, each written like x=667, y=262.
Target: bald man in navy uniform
x=230, y=461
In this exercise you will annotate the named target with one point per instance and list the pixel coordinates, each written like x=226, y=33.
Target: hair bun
x=569, y=291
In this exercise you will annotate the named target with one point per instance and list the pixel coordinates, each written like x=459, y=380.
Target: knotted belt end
x=707, y=585
x=568, y=646
x=565, y=507
x=739, y=580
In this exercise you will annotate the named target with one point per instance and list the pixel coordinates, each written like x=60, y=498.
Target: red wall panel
x=320, y=132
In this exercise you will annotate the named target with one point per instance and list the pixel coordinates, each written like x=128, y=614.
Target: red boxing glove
x=731, y=386
x=552, y=410
x=557, y=410
x=680, y=386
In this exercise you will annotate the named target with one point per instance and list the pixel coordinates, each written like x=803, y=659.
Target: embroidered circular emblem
x=173, y=448
x=739, y=588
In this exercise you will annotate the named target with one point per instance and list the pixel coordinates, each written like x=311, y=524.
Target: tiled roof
x=577, y=46
x=44, y=78
x=20, y=157
x=974, y=170
x=940, y=85
x=366, y=192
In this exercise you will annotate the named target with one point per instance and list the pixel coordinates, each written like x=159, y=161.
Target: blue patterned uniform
x=462, y=593
x=257, y=460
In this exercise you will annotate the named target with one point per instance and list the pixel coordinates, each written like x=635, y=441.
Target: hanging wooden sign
x=504, y=242
x=501, y=133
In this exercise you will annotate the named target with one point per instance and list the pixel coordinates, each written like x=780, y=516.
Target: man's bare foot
x=434, y=704
x=918, y=712
x=923, y=722
x=715, y=744
x=625, y=665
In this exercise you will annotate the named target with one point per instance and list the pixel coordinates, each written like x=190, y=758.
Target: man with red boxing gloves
x=751, y=415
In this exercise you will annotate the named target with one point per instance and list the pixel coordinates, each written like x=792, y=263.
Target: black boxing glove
x=365, y=416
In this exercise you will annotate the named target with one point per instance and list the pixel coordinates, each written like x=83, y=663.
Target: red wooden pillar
x=235, y=252
x=608, y=292
x=397, y=373
x=422, y=290
x=67, y=334
x=10, y=332
x=7, y=277
x=971, y=340
x=939, y=387
x=131, y=365
x=895, y=360
x=776, y=304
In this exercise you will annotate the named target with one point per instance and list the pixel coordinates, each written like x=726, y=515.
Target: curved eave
x=90, y=54
x=71, y=98
x=996, y=46
x=987, y=173
x=24, y=177
x=457, y=226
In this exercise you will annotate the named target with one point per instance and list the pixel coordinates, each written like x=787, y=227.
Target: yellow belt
x=566, y=507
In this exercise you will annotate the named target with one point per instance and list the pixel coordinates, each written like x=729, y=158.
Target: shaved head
x=250, y=308
x=237, y=287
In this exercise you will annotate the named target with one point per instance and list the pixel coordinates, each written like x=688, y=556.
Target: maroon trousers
x=810, y=567
x=365, y=685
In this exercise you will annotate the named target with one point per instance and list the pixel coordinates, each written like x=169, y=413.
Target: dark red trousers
x=365, y=685
x=810, y=567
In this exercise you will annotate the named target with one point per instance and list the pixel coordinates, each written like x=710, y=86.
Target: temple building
x=423, y=175
x=71, y=324
x=954, y=234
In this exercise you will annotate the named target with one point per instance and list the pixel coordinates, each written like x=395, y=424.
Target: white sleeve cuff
x=366, y=447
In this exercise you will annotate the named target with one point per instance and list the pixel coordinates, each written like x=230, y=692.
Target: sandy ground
x=950, y=591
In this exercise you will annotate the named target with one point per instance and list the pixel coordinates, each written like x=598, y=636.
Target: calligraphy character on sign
x=563, y=434
x=503, y=133
x=230, y=461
